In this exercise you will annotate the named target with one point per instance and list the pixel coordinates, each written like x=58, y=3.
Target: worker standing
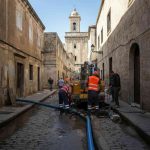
x=93, y=91
x=64, y=98
x=60, y=83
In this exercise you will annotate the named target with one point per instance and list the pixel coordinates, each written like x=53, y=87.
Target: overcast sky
x=54, y=14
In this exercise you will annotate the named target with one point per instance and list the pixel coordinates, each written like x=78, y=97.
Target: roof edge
x=101, y=6
x=34, y=14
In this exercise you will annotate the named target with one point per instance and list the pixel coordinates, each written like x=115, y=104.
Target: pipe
x=88, y=121
x=51, y=106
x=39, y=103
x=89, y=134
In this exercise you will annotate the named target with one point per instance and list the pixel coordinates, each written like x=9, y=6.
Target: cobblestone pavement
x=117, y=136
x=47, y=130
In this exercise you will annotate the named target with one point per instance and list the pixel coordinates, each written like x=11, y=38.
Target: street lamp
x=92, y=49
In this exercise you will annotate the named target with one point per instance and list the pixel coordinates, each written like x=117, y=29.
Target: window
x=110, y=65
x=109, y=22
x=20, y=75
x=74, y=26
x=30, y=72
x=30, y=31
x=75, y=58
x=102, y=35
x=75, y=46
x=19, y=17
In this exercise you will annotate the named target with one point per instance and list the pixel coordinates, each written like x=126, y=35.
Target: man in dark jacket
x=50, y=81
x=115, y=86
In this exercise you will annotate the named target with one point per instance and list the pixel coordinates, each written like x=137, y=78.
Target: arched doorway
x=134, y=70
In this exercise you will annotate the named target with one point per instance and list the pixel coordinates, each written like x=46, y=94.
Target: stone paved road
x=46, y=130
x=117, y=136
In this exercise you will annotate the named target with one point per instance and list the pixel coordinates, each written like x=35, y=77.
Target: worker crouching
x=93, y=92
x=64, y=98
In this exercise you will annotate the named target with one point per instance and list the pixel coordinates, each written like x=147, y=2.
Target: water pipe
x=88, y=120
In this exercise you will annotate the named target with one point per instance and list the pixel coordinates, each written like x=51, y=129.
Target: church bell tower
x=76, y=41
x=75, y=21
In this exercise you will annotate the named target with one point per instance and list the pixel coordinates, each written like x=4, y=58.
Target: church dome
x=74, y=13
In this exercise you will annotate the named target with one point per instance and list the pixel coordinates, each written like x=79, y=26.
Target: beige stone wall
x=134, y=27
x=81, y=51
x=76, y=41
x=61, y=60
x=50, y=71
x=56, y=60
x=117, y=9
x=50, y=50
x=8, y=74
x=3, y=73
x=16, y=47
x=75, y=20
x=71, y=68
x=92, y=40
x=20, y=38
x=3, y=19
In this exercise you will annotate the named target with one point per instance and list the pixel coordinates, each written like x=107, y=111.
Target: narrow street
x=43, y=128
x=95, y=52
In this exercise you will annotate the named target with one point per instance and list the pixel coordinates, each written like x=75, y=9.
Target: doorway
x=20, y=80
x=110, y=65
x=135, y=73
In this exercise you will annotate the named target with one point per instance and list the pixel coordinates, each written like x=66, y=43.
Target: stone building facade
x=92, y=41
x=57, y=62
x=76, y=41
x=123, y=34
x=21, y=36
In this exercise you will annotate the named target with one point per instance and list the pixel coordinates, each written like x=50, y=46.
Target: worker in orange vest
x=93, y=91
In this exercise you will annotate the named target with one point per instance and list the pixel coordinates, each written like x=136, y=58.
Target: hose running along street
x=87, y=118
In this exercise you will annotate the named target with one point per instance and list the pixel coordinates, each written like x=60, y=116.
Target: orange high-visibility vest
x=93, y=83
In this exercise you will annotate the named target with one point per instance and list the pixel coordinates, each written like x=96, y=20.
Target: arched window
x=75, y=46
x=74, y=26
x=75, y=58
